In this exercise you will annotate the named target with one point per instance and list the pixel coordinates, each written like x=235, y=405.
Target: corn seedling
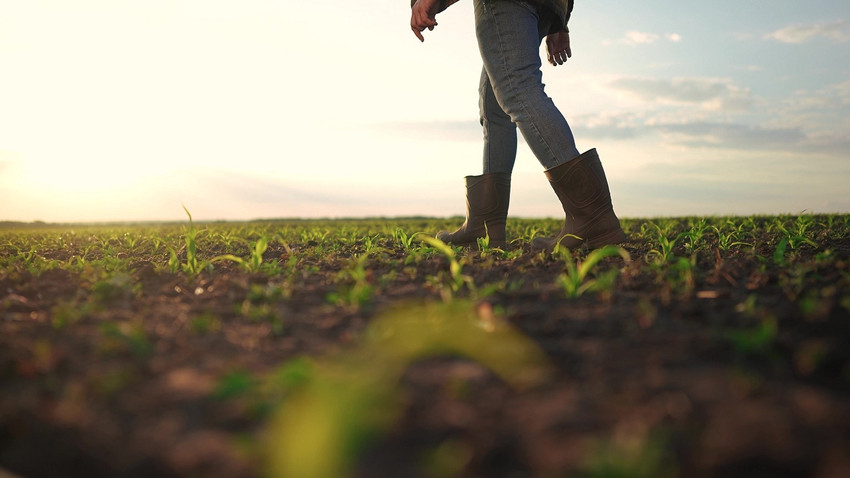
x=457, y=278
x=406, y=241
x=726, y=240
x=254, y=263
x=574, y=280
x=664, y=252
x=359, y=291
x=260, y=305
x=193, y=265
x=695, y=236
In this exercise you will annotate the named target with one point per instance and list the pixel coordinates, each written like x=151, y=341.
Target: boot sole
x=493, y=244
x=616, y=236
x=609, y=238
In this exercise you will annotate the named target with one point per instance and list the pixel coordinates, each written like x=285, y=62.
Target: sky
x=126, y=110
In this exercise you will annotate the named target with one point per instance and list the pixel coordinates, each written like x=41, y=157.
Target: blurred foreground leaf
x=353, y=397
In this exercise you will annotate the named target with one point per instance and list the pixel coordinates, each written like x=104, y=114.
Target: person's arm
x=423, y=14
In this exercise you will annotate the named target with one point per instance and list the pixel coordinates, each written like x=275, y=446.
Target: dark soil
x=665, y=375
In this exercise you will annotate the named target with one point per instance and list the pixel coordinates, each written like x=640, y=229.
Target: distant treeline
x=42, y=224
x=19, y=224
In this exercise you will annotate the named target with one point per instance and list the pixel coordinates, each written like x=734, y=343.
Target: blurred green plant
x=351, y=398
x=633, y=452
x=356, y=291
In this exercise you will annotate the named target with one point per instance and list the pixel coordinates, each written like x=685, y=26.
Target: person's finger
x=416, y=26
x=418, y=33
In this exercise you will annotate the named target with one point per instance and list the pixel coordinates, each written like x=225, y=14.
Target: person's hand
x=423, y=15
x=558, y=48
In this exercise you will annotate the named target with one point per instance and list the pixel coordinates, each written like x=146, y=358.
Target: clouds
x=692, y=113
x=709, y=92
x=718, y=182
x=731, y=136
x=838, y=31
x=625, y=126
x=714, y=113
x=704, y=135
x=634, y=37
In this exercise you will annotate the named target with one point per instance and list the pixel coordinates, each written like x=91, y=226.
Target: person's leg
x=500, y=141
x=488, y=195
x=509, y=34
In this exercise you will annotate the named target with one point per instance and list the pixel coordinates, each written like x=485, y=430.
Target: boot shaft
x=581, y=185
x=488, y=196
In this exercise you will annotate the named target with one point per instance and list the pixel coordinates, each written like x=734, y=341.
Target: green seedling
x=193, y=265
x=796, y=237
x=575, y=281
x=727, y=240
x=457, y=278
x=664, y=252
x=402, y=238
x=254, y=263
x=485, y=249
x=260, y=305
x=695, y=236
x=360, y=291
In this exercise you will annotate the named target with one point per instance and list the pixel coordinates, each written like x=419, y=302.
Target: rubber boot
x=583, y=190
x=487, y=199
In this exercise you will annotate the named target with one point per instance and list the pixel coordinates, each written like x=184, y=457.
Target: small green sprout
x=575, y=280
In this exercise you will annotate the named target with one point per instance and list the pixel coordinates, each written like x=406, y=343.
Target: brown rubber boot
x=583, y=190
x=487, y=198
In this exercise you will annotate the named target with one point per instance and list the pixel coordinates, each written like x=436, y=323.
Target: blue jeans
x=512, y=92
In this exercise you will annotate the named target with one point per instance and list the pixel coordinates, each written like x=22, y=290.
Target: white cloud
x=710, y=93
x=608, y=125
x=838, y=31
x=634, y=37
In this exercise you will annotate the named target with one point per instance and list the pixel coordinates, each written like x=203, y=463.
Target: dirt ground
x=733, y=372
